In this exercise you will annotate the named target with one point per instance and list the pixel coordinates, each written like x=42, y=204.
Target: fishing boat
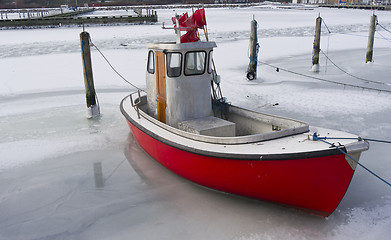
x=182, y=121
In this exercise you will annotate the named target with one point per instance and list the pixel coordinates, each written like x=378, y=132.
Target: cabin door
x=161, y=87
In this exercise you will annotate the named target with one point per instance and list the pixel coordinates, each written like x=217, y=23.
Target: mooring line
x=111, y=66
x=324, y=80
x=385, y=29
x=382, y=37
x=316, y=138
x=359, y=78
x=357, y=138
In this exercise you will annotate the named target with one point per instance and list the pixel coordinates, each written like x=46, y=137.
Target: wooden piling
x=371, y=38
x=92, y=105
x=316, y=51
x=252, y=67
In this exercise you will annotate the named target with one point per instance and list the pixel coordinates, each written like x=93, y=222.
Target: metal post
x=371, y=38
x=177, y=30
x=316, y=51
x=92, y=105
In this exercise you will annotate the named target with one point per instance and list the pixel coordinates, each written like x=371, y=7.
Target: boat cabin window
x=210, y=62
x=151, y=62
x=195, y=63
x=174, y=63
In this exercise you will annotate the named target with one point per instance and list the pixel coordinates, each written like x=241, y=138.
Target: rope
x=359, y=78
x=327, y=58
x=324, y=80
x=111, y=66
x=361, y=165
x=385, y=29
x=115, y=169
x=382, y=37
x=351, y=34
x=328, y=43
x=358, y=138
x=326, y=26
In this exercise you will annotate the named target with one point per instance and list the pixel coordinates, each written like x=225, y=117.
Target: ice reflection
x=98, y=175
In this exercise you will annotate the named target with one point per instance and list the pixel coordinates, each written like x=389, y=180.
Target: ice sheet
x=48, y=147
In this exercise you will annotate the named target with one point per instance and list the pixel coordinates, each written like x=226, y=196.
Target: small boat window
x=174, y=63
x=195, y=63
x=210, y=62
x=151, y=62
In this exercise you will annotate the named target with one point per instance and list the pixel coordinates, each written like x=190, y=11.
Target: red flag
x=189, y=23
x=185, y=22
x=183, y=19
x=199, y=17
x=190, y=36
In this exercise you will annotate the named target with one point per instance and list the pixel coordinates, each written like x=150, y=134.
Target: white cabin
x=178, y=81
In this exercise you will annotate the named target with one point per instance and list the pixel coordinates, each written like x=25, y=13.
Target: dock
x=357, y=6
x=77, y=17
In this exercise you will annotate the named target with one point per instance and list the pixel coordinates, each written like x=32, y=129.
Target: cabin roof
x=172, y=46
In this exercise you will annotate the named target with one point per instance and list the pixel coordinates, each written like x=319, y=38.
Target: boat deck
x=295, y=146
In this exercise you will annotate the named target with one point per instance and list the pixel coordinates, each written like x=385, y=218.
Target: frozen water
x=49, y=149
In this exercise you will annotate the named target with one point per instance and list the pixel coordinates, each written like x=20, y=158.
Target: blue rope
x=377, y=140
x=357, y=138
x=316, y=138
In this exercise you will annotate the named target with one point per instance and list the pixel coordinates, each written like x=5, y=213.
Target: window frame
x=210, y=63
x=199, y=73
x=151, y=71
x=180, y=65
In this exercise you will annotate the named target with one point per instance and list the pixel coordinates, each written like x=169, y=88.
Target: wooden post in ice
x=252, y=67
x=315, y=55
x=371, y=38
x=92, y=105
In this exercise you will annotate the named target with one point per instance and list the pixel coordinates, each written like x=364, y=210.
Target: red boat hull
x=316, y=184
